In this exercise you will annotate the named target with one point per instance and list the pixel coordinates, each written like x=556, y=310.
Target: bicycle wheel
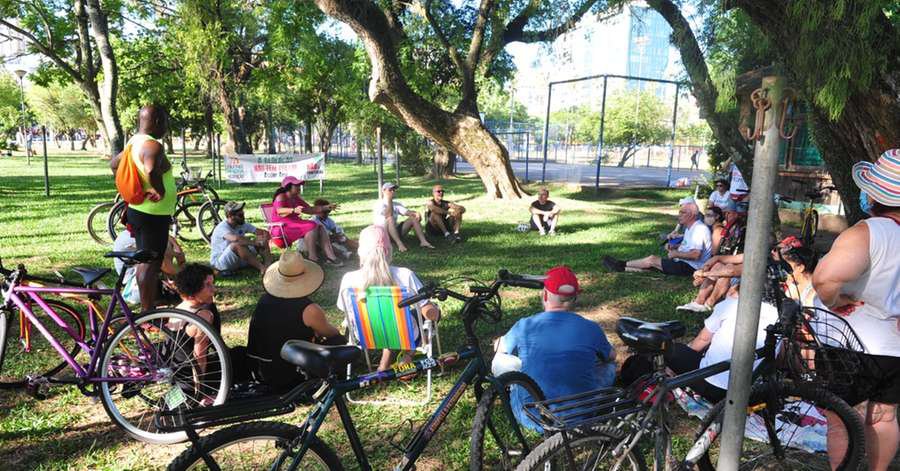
x=41, y=360
x=495, y=441
x=114, y=220
x=252, y=446
x=809, y=229
x=97, y=223
x=590, y=449
x=801, y=418
x=186, y=227
x=211, y=214
x=165, y=347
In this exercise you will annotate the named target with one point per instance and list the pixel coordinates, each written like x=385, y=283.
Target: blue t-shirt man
x=560, y=350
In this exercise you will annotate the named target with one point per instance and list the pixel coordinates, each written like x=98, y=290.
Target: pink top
x=284, y=201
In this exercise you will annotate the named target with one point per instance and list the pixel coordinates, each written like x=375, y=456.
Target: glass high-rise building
x=648, y=47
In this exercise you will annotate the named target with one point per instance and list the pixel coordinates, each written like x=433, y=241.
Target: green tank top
x=166, y=205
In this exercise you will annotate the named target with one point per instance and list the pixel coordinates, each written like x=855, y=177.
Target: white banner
x=274, y=167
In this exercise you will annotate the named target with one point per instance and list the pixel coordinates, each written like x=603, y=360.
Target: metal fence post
x=753, y=279
x=600, y=140
x=46, y=170
x=546, y=131
x=672, y=144
x=527, y=144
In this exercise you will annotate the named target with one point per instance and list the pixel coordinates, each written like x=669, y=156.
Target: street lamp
x=21, y=74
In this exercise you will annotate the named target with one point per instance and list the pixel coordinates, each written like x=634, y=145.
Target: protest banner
x=245, y=168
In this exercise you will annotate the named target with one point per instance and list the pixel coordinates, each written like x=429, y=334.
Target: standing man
x=387, y=213
x=231, y=249
x=860, y=278
x=150, y=220
x=695, y=164
x=564, y=352
x=544, y=213
x=692, y=251
x=443, y=216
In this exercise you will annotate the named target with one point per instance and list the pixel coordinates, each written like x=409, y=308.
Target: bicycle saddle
x=133, y=257
x=649, y=337
x=91, y=275
x=318, y=361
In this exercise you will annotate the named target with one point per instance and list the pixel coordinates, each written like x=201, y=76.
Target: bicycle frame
x=87, y=372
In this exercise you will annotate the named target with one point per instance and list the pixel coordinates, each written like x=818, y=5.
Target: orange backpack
x=128, y=179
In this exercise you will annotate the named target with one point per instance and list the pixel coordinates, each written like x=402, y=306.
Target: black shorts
x=436, y=231
x=676, y=267
x=543, y=223
x=150, y=231
x=878, y=379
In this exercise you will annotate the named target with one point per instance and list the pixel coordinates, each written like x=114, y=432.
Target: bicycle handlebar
x=504, y=278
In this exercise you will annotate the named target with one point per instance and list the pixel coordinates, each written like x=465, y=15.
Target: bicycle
x=810, y=226
x=194, y=194
x=136, y=364
x=602, y=429
x=497, y=442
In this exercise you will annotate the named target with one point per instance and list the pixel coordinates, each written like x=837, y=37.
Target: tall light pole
x=21, y=74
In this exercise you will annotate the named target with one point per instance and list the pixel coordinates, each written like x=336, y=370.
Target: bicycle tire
x=167, y=330
x=553, y=452
x=99, y=234
x=494, y=443
x=186, y=225
x=43, y=361
x=114, y=218
x=760, y=456
x=209, y=216
x=225, y=447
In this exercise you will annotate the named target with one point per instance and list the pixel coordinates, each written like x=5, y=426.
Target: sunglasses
x=439, y=191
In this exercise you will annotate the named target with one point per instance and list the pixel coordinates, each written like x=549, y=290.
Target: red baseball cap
x=562, y=281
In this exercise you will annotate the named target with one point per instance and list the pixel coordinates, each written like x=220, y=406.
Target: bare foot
x=427, y=245
x=402, y=248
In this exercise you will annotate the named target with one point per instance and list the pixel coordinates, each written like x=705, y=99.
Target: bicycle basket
x=581, y=410
x=824, y=349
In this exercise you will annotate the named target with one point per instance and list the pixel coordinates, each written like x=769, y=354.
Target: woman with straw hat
x=375, y=269
x=860, y=278
x=285, y=312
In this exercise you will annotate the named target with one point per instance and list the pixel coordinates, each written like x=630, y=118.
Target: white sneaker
x=691, y=306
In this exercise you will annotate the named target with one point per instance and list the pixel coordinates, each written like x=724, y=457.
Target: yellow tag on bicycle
x=175, y=397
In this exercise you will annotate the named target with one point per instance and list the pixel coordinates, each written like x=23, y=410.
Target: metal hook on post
x=761, y=103
x=788, y=106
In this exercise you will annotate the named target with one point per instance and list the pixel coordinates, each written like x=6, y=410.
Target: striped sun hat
x=881, y=180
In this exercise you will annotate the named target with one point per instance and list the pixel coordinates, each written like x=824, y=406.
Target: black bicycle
x=497, y=441
x=806, y=354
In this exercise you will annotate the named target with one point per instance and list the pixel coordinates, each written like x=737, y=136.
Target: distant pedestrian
x=150, y=219
x=695, y=164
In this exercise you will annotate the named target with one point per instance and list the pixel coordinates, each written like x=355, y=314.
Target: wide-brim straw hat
x=880, y=180
x=292, y=276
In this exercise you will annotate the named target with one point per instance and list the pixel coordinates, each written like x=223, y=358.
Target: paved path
x=585, y=174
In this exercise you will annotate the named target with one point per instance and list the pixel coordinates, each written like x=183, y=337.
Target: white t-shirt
x=697, y=237
x=722, y=323
x=124, y=243
x=378, y=211
x=719, y=199
x=403, y=277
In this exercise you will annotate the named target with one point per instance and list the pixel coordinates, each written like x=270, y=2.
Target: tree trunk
x=443, y=159
x=197, y=141
x=461, y=131
x=72, y=141
x=307, y=137
x=359, y=152
x=626, y=155
x=170, y=146
x=110, y=88
x=850, y=137
x=238, y=142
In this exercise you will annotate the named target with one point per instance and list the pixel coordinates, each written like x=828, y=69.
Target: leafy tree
x=10, y=102
x=472, y=37
x=64, y=109
x=634, y=118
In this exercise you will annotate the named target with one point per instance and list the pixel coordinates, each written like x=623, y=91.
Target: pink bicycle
x=138, y=365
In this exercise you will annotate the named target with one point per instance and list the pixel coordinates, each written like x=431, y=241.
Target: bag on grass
x=128, y=179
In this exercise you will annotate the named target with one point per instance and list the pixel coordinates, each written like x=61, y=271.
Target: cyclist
x=561, y=350
x=860, y=278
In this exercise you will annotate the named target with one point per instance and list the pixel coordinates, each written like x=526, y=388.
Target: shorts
x=543, y=223
x=150, y=231
x=878, y=380
x=436, y=231
x=230, y=261
x=676, y=267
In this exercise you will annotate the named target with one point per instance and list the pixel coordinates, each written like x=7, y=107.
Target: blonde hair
x=375, y=257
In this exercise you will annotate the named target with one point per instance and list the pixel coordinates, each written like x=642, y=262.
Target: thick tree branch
x=475, y=45
x=45, y=50
x=451, y=49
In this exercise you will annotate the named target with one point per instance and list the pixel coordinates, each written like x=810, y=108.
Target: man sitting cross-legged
x=443, y=216
x=544, y=213
x=387, y=213
x=689, y=254
x=232, y=249
x=561, y=350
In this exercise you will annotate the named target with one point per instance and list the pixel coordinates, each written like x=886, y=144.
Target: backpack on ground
x=128, y=179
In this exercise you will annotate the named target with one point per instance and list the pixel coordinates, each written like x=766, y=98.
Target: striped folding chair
x=375, y=322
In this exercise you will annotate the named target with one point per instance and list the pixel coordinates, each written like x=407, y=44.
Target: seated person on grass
x=173, y=261
x=544, y=213
x=196, y=287
x=387, y=213
x=285, y=312
x=561, y=350
x=232, y=249
x=720, y=195
x=443, y=216
x=682, y=259
x=339, y=239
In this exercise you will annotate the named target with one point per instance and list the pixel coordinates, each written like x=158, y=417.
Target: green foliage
x=635, y=117
x=62, y=108
x=734, y=46
x=10, y=103
x=494, y=104
x=578, y=124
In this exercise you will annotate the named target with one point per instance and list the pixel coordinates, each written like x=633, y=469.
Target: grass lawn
x=70, y=431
